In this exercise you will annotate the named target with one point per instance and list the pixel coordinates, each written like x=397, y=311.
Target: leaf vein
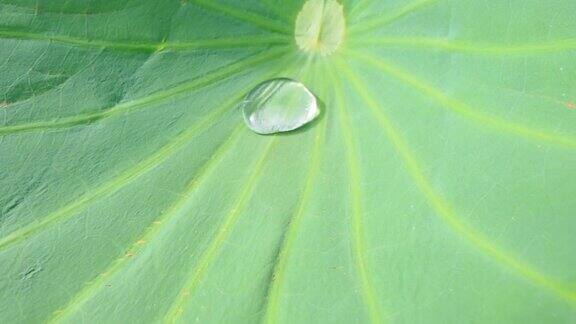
x=358, y=239
x=150, y=232
x=123, y=179
x=443, y=209
x=229, y=42
x=212, y=251
x=466, y=110
x=247, y=16
x=468, y=47
x=277, y=279
x=206, y=80
x=383, y=20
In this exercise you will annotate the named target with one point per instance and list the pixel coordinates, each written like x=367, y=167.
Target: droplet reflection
x=279, y=105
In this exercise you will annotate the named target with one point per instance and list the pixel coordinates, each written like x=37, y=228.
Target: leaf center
x=320, y=26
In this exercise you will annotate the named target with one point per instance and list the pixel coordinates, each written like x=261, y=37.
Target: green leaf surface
x=438, y=185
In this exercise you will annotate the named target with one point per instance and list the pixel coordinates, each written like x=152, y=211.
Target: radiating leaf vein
x=469, y=47
x=225, y=42
x=151, y=231
x=464, y=109
x=385, y=19
x=354, y=176
x=247, y=16
x=279, y=270
x=124, y=178
x=212, y=251
x=206, y=80
x=443, y=208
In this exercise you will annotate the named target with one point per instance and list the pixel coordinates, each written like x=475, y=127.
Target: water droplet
x=279, y=105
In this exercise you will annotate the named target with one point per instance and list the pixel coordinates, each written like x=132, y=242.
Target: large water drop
x=279, y=105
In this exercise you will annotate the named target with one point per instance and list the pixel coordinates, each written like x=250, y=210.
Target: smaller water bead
x=279, y=105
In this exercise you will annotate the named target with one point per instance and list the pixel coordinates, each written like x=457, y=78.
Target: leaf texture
x=437, y=186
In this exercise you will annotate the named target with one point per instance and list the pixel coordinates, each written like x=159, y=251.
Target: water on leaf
x=279, y=105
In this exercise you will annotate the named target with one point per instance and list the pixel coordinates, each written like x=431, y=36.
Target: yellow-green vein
x=384, y=19
x=244, y=15
x=278, y=10
x=124, y=178
x=358, y=8
x=443, y=209
x=38, y=7
x=228, y=42
x=204, y=81
x=467, y=47
x=278, y=273
x=213, y=250
x=150, y=232
x=354, y=176
x=463, y=108
x=113, y=185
